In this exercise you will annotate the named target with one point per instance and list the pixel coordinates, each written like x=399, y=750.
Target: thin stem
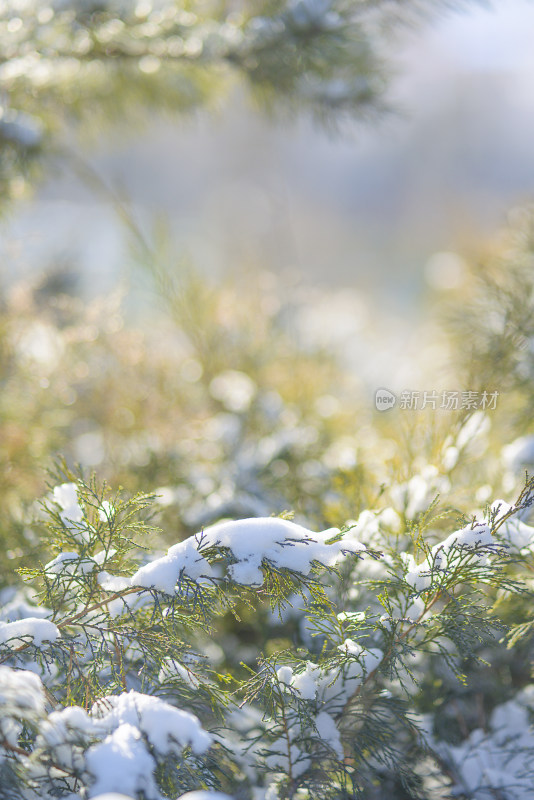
x=74, y=618
x=19, y=751
x=89, y=609
x=288, y=742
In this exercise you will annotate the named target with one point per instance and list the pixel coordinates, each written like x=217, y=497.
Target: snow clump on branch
x=279, y=542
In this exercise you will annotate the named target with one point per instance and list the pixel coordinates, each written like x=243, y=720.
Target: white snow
x=68, y=731
x=282, y=543
x=112, y=796
x=168, y=729
x=327, y=730
x=71, y=514
x=476, y=538
x=171, y=667
x=351, y=616
x=21, y=697
x=164, y=573
x=415, y=610
x=66, y=495
x=19, y=608
x=419, y=576
x=351, y=647
x=285, y=674
x=365, y=528
x=339, y=684
x=104, y=555
x=279, y=541
x=112, y=583
x=515, y=533
x=278, y=758
x=415, y=495
x=133, y=730
x=69, y=563
x=106, y=511
x=372, y=658
x=499, y=762
x=19, y=632
x=165, y=725
x=369, y=659
x=59, y=725
x=122, y=763
x=121, y=605
x=470, y=537
x=202, y=794
x=308, y=682
x=501, y=507
x=21, y=688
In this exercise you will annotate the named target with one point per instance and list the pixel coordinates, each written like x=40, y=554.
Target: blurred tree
x=96, y=61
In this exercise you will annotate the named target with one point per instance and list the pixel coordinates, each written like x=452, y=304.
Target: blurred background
x=202, y=298
x=368, y=207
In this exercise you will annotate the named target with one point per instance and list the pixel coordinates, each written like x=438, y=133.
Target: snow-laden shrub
x=109, y=682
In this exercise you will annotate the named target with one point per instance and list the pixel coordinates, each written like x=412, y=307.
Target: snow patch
x=16, y=633
x=327, y=730
x=71, y=514
x=168, y=729
x=204, y=795
x=122, y=762
x=280, y=542
x=477, y=538
x=22, y=688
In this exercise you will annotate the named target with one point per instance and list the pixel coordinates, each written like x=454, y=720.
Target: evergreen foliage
x=109, y=681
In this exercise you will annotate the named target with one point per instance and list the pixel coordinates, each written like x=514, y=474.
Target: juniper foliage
x=107, y=658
